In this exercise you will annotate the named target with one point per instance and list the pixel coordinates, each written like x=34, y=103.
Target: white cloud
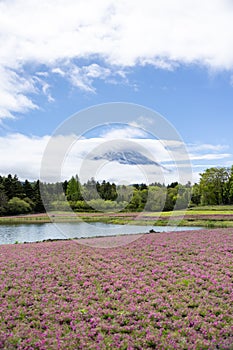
x=13, y=93
x=83, y=77
x=210, y=156
x=45, y=89
x=22, y=155
x=42, y=74
x=206, y=147
x=58, y=71
x=87, y=157
x=121, y=34
x=142, y=122
x=125, y=133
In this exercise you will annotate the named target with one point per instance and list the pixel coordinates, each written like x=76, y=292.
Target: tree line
x=214, y=188
x=16, y=197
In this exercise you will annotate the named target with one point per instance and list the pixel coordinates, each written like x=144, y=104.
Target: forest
x=215, y=187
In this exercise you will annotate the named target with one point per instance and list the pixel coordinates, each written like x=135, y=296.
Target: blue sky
x=176, y=59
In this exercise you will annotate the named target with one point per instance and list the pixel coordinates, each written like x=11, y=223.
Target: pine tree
x=73, y=191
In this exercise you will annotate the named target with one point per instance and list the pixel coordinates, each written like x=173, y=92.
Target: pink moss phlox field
x=163, y=291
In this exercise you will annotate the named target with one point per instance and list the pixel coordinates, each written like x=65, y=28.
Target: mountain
x=130, y=157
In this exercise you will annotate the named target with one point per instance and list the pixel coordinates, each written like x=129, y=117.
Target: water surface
x=39, y=232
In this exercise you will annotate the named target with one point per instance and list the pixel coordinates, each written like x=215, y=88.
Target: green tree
x=89, y=190
x=183, y=197
x=28, y=189
x=230, y=187
x=3, y=200
x=196, y=194
x=39, y=206
x=213, y=186
x=107, y=190
x=136, y=201
x=124, y=193
x=156, y=198
x=13, y=187
x=170, y=198
x=73, y=191
x=18, y=206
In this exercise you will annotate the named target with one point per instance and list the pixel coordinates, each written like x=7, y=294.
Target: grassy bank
x=214, y=216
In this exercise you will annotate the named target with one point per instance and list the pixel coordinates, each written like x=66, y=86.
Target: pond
x=39, y=232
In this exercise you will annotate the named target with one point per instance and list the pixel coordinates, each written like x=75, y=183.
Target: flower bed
x=163, y=291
